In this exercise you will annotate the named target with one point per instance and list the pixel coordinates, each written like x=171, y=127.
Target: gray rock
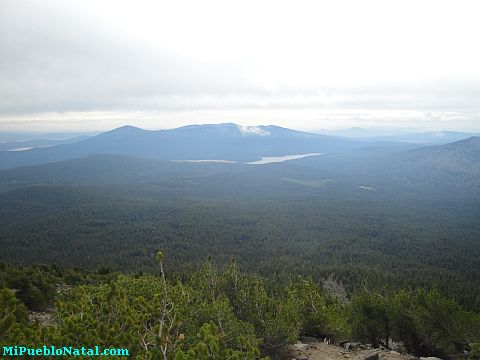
x=299, y=346
x=371, y=355
x=429, y=358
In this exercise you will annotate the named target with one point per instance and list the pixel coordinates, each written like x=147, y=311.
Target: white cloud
x=268, y=57
x=253, y=130
x=301, y=119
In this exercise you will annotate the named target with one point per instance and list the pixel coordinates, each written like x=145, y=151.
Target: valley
x=370, y=218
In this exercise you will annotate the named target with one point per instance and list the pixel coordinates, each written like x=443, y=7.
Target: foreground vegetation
x=219, y=313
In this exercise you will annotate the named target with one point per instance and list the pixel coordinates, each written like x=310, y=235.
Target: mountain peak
x=223, y=129
x=127, y=128
x=122, y=131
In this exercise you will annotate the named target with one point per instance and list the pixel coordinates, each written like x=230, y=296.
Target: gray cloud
x=54, y=59
x=52, y=63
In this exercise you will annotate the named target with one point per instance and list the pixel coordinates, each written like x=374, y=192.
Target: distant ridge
x=426, y=137
x=218, y=141
x=451, y=165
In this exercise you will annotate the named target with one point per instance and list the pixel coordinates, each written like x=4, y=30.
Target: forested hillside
x=281, y=232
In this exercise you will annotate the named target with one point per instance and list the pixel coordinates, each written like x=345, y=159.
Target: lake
x=277, y=159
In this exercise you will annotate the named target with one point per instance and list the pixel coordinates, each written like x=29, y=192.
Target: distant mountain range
x=14, y=136
x=426, y=138
x=38, y=143
x=131, y=155
x=223, y=141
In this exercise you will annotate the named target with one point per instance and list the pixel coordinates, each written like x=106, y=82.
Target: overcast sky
x=95, y=65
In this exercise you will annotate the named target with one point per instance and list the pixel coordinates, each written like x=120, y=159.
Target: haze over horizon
x=90, y=66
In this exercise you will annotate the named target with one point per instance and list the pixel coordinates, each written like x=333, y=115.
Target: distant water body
x=277, y=159
x=206, y=161
x=21, y=149
x=262, y=161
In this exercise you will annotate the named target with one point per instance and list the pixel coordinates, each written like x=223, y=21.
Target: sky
x=95, y=65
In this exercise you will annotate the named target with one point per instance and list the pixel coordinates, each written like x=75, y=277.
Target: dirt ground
x=321, y=351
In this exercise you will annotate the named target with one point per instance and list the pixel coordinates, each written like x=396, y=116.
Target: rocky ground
x=317, y=350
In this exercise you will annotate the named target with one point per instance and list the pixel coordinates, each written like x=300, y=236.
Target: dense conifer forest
x=278, y=232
